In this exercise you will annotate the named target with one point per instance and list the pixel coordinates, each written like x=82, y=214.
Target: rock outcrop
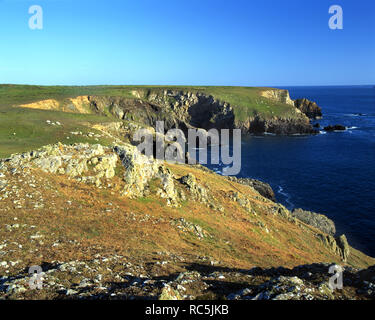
x=338, y=245
x=343, y=244
x=316, y=220
x=309, y=108
x=96, y=164
x=263, y=188
x=278, y=95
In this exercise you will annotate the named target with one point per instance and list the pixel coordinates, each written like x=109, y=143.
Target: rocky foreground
x=110, y=223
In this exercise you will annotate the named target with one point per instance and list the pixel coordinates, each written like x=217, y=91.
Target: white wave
x=355, y=114
x=286, y=195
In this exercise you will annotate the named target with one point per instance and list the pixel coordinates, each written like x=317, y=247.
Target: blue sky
x=188, y=42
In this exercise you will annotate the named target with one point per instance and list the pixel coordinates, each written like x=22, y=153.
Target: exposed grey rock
x=316, y=220
x=198, y=191
x=338, y=245
x=343, y=244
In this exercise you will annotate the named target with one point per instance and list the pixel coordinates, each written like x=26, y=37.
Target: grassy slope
x=139, y=228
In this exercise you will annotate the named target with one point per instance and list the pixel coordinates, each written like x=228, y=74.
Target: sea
x=332, y=173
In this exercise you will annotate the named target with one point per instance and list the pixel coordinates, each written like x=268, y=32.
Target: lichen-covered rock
x=75, y=161
x=50, y=164
x=168, y=293
x=197, y=190
x=96, y=164
x=186, y=226
x=169, y=191
x=282, y=288
x=139, y=170
x=242, y=201
x=105, y=165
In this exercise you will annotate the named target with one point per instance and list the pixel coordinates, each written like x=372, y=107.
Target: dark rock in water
x=316, y=125
x=336, y=127
x=309, y=108
x=263, y=188
x=316, y=220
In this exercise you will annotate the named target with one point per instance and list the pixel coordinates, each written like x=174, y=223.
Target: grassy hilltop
x=245, y=99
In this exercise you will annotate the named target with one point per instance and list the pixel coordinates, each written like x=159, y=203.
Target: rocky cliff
x=309, y=108
x=184, y=110
x=253, y=110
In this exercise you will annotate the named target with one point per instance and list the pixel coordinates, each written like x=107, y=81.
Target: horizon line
x=187, y=85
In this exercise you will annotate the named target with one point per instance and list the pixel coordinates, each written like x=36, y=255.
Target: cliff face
x=253, y=110
x=177, y=109
x=277, y=125
x=278, y=95
x=187, y=109
x=309, y=108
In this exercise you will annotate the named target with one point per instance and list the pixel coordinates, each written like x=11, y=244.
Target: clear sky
x=188, y=42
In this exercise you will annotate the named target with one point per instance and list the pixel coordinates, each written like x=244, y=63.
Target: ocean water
x=330, y=173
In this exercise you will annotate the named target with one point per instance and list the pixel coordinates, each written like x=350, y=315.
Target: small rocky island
x=337, y=127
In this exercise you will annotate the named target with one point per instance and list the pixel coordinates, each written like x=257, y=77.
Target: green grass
x=24, y=129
